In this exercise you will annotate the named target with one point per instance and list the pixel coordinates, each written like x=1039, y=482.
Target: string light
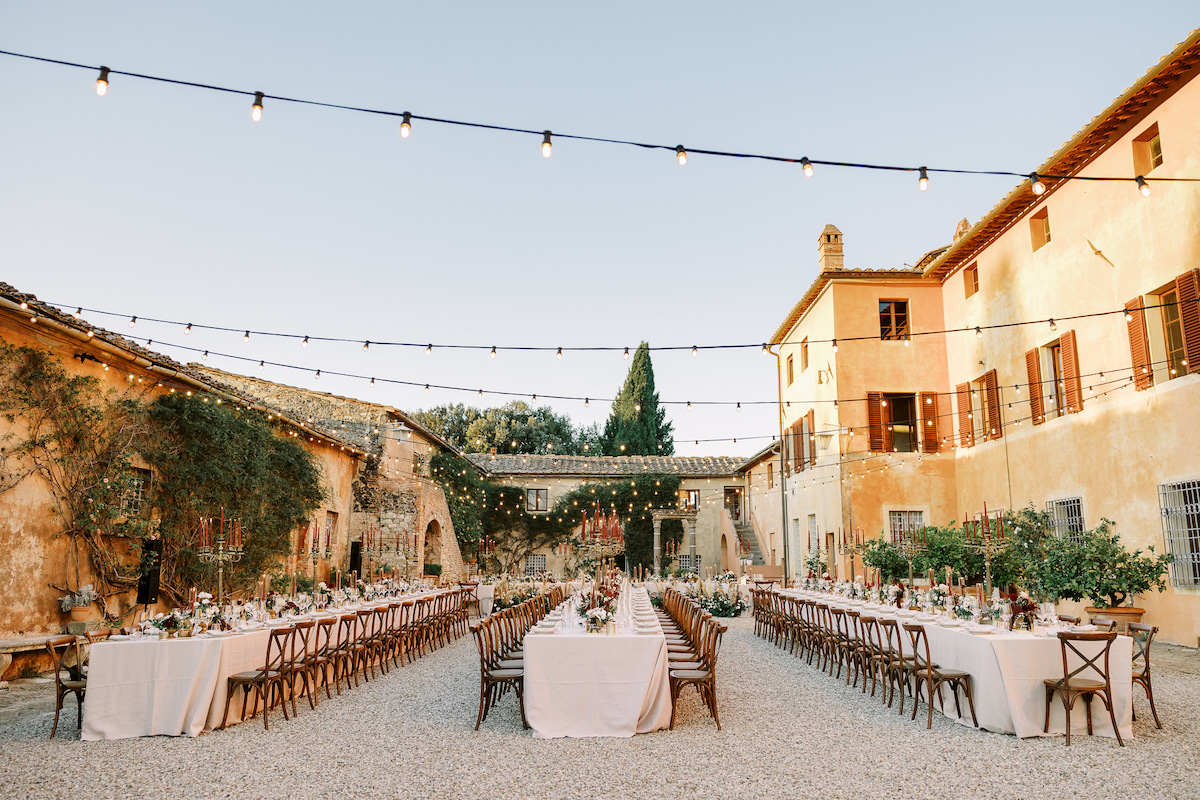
x=187, y=330
x=205, y=356
x=807, y=166
x=906, y=340
x=1142, y=186
x=132, y=321
x=1053, y=325
x=493, y=352
x=405, y=125
x=78, y=313
x=246, y=337
x=586, y=403
x=680, y=155
x=626, y=353
x=1128, y=317
x=835, y=347
x=428, y=349
x=558, y=355
x=102, y=82
x=923, y=181
x=372, y=381
x=765, y=350
x=256, y=109
x=427, y=388
x=318, y=375
x=695, y=352
x=978, y=333
x=261, y=365
x=547, y=146
x=366, y=346
x=1036, y=184
x=305, y=342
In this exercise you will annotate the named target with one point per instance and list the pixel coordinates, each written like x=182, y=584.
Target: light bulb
x=305, y=342
x=1053, y=325
x=427, y=388
x=906, y=340
x=318, y=375
x=1036, y=184
x=695, y=352
x=637, y=406
x=428, y=349
x=366, y=346
x=205, y=356
x=256, y=109
x=246, y=336
x=1142, y=186
x=547, y=146
x=261, y=364
x=626, y=353
x=558, y=355
x=535, y=398
x=372, y=381
x=923, y=181
x=586, y=403
x=680, y=155
x=739, y=406
x=188, y=329
x=835, y=348
x=765, y=350
x=493, y=352
x=689, y=403
x=132, y=322
x=405, y=125
x=978, y=333
x=807, y=166
x=78, y=312
x=102, y=82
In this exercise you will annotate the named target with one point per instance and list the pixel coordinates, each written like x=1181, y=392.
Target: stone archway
x=725, y=562
x=433, y=542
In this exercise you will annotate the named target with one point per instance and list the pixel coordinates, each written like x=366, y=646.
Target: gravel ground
x=789, y=731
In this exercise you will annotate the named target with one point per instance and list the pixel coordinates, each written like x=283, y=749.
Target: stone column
x=657, y=547
x=691, y=532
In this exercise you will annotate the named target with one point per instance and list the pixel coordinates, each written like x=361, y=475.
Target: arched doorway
x=725, y=565
x=433, y=543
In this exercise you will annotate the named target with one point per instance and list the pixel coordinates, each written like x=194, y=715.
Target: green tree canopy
x=637, y=426
x=515, y=427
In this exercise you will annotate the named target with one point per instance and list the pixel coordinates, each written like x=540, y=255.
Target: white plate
x=983, y=631
x=541, y=631
x=646, y=630
x=950, y=623
x=1082, y=628
x=119, y=637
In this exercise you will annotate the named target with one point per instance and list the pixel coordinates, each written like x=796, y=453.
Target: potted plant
x=1097, y=567
x=78, y=604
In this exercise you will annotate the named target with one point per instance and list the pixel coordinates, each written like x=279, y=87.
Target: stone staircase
x=750, y=542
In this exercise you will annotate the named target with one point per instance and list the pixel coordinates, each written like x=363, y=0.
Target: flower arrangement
x=965, y=606
x=938, y=596
x=1024, y=612
x=81, y=599
x=719, y=605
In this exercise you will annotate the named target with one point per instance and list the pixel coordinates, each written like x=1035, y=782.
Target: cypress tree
x=636, y=420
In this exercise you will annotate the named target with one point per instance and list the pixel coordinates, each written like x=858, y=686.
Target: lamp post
x=220, y=548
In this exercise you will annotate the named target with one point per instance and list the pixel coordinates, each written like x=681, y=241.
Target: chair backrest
x=1103, y=624
x=305, y=629
x=1087, y=663
x=1067, y=618
x=68, y=656
x=278, y=646
x=1142, y=635
x=868, y=627
x=889, y=637
x=349, y=631
x=327, y=635
x=480, y=631
x=920, y=643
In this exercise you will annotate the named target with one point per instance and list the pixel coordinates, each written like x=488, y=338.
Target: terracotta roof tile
x=585, y=466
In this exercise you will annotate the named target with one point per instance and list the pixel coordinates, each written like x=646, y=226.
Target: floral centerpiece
x=938, y=596
x=965, y=606
x=1024, y=612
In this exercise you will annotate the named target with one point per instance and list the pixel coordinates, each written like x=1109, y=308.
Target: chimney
x=829, y=248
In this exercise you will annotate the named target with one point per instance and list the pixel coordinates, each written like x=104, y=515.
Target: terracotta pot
x=81, y=613
x=1122, y=615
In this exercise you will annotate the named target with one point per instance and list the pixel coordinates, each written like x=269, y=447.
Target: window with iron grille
x=814, y=535
x=685, y=562
x=535, y=564
x=1179, y=506
x=905, y=522
x=133, y=501
x=1066, y=517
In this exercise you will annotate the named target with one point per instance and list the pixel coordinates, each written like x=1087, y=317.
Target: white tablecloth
x=172, y=687
x=1007, y=670
x=596, y=685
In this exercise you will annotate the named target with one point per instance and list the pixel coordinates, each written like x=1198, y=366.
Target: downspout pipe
x=787, y=564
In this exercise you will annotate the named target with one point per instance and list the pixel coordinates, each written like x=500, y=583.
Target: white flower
x=202, y=596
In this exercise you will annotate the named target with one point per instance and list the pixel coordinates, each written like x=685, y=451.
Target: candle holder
x=221, y=548
x=910, y=544
x=852, y=547
x=985, y=534
x=315, y=553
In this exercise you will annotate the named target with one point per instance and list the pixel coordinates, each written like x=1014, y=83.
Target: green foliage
x=515, y=427
x=467, y=496
x=210, y=457
x=633, y=498
x=881, y=554
x=814, y=565
x=433, y=569
x=1097, y=566
x=637, y=426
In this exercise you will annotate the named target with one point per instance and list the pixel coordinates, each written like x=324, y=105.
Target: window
x=1066, y=517
x=133, y=501
x=1147, y=151
x=791, y=372
x=804, y=354
x=1054, y=395
x=902, y=422
x=1039, y=229
x=814, y=535
x=1179, y=508
x=770, y=475
x=893, y=319
x=537, y=499
x=1173, y=334
x=971, y=279
x=902, y=523
x=685, y=562
x=535, y=564
x=690, y=498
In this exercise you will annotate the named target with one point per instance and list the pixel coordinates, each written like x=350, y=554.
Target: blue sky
x=169, y=202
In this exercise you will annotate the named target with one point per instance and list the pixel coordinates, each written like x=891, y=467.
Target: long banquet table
x=595, y=685
x=1007, y=669
x=174, y=687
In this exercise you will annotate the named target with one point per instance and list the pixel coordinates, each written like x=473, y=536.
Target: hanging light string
x=493, y=350
x=682, y=154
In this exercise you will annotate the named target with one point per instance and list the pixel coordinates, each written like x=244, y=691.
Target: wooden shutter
x=931, y=439
x=964, y=414
x=1187, y=289
x=875, y=421
x=811, y=439
x=992, y=420
x=797, y=452
x=1139, y=344
x=1033, y=369
x=1070, y=361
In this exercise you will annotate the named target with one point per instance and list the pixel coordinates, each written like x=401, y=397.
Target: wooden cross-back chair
x=1073, y=685
x=69, y=677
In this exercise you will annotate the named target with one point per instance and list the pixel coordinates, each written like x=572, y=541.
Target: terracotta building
x=1049, y=355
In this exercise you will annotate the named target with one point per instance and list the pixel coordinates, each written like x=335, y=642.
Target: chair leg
x=1113, y=718
x=1087, y=699
x=1150, y=697
x=970, y=701
x=57, y=709
x=1049, y=695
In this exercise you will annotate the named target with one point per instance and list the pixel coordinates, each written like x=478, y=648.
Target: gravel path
x=789, y=731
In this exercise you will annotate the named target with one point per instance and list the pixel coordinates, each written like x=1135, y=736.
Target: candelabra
x=314, y=552
x=910, y=544
x=221, y=548
x=852, y=546
x=986, y=536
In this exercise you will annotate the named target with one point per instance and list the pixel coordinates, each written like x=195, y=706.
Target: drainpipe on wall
x=782, y=464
